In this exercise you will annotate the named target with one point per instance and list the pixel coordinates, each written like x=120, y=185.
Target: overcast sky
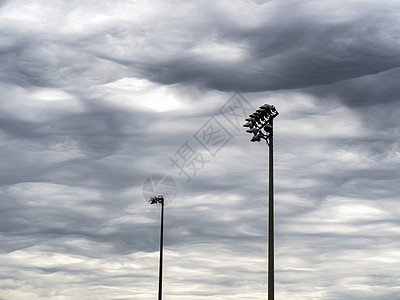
x=98, y=96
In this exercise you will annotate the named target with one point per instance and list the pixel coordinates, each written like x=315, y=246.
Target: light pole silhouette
x=160, y=200
x=263, y=119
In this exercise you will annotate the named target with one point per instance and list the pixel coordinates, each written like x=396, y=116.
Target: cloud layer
x=95, y=97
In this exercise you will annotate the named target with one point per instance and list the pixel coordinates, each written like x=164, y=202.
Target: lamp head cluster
x=261, y=119
x=156, y=200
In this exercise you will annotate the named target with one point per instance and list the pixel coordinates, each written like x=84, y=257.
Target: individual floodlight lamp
x=256, y=138
x=253, y=130
x=250, y=123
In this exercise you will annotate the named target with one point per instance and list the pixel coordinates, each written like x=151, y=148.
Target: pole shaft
x=161, y=253
x=271, y=219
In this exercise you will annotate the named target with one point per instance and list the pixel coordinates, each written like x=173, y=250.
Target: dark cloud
x=300, y=49
x=369, y=90
x=311, y=45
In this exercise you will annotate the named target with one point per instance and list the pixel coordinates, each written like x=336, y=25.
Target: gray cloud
x=369, y=90
x=311, y=45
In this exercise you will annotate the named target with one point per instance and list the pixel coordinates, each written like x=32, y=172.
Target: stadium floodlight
x=262, y=119
x=160, y=200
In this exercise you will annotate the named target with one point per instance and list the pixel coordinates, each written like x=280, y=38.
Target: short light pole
x=160, y=200
x=260, y=124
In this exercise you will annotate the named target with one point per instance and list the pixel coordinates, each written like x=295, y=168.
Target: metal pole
x=161, y=253
x=271, y=219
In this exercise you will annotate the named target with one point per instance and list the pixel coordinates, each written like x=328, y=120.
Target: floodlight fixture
x=262, y=118
x=157, y=199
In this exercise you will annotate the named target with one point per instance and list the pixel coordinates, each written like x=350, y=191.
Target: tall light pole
x=160, y=200
x=263, y=120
